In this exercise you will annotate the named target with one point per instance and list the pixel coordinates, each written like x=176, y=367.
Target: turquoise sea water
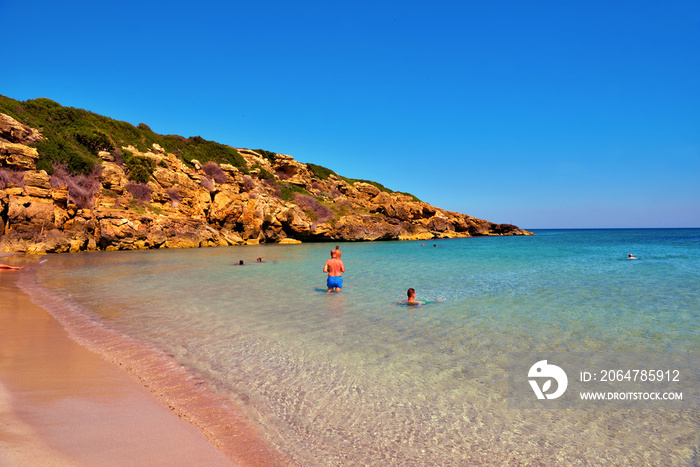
x=357, y=379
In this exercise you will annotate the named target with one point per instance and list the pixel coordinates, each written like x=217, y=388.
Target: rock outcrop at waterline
x=276, y=199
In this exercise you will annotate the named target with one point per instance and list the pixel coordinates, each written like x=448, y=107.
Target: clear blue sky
x=538, y=113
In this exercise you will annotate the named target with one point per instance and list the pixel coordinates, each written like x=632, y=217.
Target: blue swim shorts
x=335, y=282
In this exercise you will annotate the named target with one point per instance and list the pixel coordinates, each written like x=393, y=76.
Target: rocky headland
x=184, y=203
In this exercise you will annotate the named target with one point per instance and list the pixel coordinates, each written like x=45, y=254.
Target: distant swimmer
x=631, y=257
x=241, y=263
x=7, y=266
x=335, y=269
x=259, y=260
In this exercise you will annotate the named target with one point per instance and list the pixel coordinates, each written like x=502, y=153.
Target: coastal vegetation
x=74, y=137
x=73, y=180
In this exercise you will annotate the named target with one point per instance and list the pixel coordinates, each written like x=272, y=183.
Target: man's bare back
x=334, y=267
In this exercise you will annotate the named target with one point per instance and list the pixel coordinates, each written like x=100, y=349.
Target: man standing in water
x=335, y=269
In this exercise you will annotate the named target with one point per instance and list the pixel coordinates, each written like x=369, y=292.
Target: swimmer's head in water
x=411, y=293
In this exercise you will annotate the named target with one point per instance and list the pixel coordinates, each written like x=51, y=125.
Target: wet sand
x=63, y=405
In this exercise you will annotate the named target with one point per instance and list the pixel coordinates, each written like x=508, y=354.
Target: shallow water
x=357, y=379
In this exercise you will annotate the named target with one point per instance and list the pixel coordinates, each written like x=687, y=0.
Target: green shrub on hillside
x=63, y=151
x=381, y=187
x=138, y=168
x=203, y=150
x=11, y=107
x=95, y=141
x=265, y=175
x=288, y=190
x=269, y=155
x=319, y=171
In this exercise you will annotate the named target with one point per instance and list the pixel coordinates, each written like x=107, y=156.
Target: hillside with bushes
x=72, y=180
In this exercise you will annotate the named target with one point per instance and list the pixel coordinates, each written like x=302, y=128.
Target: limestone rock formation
x=12, y=130
x=274, y=199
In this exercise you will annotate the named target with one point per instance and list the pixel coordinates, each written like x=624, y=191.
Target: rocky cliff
x=186, y=204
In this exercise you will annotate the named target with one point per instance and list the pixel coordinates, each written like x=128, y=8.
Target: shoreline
x=64, y=400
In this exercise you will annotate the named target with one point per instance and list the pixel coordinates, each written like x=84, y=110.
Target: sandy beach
x=62, y=404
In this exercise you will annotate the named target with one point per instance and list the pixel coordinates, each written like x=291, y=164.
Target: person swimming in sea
x=411, y=298
x=630, y=256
